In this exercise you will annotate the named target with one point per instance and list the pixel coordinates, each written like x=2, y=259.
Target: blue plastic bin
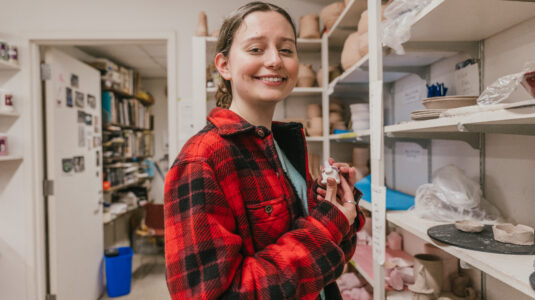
x=119, y=272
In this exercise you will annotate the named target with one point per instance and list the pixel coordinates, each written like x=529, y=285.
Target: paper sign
x=379, y=219
x=412, y=153
x=411, y=95
x=467, y=80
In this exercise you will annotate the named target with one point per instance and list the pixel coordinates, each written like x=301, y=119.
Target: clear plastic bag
x=400, y=16
x=453, y=196
x=504, y=86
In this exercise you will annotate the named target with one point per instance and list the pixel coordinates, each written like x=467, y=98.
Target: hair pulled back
x=226, y=36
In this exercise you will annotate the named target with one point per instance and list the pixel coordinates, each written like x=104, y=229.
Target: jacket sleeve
x=349, y=241
x=203, y=250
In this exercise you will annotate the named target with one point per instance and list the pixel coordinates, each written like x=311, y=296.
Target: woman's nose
x=273, y=59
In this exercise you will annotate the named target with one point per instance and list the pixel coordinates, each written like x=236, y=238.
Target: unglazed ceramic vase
x=427, y=275
x=459, y=283
x=394, y=240
x=363, y=44
x=518, y=235
x=350, y=52
x=330, y=13
x=202, y=25
x=313, y=110
x=309, y=26
x=306, y=76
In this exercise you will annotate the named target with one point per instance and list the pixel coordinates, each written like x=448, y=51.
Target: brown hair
x=226, y=36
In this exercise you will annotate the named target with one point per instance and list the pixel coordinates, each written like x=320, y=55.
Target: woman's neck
x=257, y=115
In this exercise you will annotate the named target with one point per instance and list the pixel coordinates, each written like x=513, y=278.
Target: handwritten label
x=379, y=223
x=467, y=80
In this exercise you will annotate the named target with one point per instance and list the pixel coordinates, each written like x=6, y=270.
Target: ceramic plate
x=448, y=102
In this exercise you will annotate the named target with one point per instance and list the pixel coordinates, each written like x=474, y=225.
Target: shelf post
x=326, y=143
x=377, y=146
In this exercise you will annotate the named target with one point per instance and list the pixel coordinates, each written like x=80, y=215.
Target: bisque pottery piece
x=350, y=52
x=449, y=264
x=394, y=240
x=427, y=276
x=459, y=283
x=202, y=25
x=469, y=226
x=518, y=235
x=362, y=27
x=215, y=33
x=395, y=280
x=309, y=26
x=306, y=76
x=313, y=110
x=315, y=126
x=363, y=44
x=330, y=13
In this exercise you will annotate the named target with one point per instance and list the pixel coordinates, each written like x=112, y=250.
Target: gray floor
x=148, y=280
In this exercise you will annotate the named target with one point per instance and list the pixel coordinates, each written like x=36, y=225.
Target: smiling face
x=262, y=64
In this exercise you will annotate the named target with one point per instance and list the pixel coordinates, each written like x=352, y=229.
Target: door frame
x=37, y=273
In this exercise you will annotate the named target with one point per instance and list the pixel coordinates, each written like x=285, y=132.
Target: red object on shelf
x=363, y=258
x=106, y=185
x=528, y=82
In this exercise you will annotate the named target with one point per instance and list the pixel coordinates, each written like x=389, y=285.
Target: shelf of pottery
x=437, y=115
x=9, y=65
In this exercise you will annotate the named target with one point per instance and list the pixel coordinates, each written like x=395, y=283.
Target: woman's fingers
x=331, y=190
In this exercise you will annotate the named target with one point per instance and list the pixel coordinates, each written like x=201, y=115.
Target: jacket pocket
x=269, y=220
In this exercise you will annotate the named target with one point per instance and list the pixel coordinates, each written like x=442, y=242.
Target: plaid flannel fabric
x=233, y=224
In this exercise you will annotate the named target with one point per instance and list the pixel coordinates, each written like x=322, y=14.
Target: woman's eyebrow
x=262, y=38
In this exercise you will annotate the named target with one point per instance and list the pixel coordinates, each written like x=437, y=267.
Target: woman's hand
x=346, y=171
x=346, y=204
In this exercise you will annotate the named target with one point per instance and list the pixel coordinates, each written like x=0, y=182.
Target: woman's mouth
x=271, y=80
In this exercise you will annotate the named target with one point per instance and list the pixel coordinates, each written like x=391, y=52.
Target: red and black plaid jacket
x=234, y=227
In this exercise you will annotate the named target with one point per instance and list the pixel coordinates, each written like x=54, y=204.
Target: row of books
x=128, y=144
x=125, y=112
x=117, y=77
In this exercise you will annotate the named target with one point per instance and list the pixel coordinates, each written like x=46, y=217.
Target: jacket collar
x=228, y=123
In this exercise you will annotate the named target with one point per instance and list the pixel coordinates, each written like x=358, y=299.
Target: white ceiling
x=150, y=60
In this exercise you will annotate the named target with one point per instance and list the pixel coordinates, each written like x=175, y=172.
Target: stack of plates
x=448, y=102
x=425, y=114
x=436, y=105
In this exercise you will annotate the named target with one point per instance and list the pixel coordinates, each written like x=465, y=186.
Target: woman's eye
x=255, y=50
x=287, y=51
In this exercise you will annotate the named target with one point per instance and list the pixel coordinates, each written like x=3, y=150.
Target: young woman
x=243, y=217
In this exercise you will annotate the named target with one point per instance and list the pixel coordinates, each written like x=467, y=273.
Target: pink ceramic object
x=330, y=13
x=394, y=240
x=528, y=82
x=395, y=280
x=353, y=294
x=309, y=27
x=348, y=281
x=363, y=44
x=407, y=274
x=365, y=294
x=202, y=25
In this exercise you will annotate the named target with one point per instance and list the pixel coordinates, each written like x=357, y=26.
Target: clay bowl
x=469, y=226
x=518, y=235
x=449, y=102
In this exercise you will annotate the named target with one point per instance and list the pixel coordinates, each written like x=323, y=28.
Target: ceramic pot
x=350, y=52
x=215, y=33
x=518, y=235
x=427, y=275
x=394, y=240
x=202, y=25
x=360, y=156
x=313, y=110
x=306, y=76
x=309, y=27
x=315, y=126
x=330, y=13
x=363, y=44
x=449, y=264
x=459, y=283
x=362, y=27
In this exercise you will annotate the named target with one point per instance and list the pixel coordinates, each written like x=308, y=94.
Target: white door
x=73, y=134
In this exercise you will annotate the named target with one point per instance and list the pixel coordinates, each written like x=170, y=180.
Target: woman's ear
x=221, y=63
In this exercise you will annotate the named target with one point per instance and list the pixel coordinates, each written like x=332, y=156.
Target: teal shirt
x=299, y=184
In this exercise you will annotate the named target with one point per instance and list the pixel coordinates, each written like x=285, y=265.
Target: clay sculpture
x=309, y=26
x=202, y=25
x=330, y=13
x=469, y=226
x=350, y=52
x=518, y=235
x=306, y=76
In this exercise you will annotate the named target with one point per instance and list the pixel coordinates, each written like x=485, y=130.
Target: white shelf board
x=306, y=91
x=9, y=114
x=474, y=20
x=513, y=270
x=10, y=157
x=510, y=114
x=4, y=65
x=315, y=139
x=346, y=23
x=352, y=75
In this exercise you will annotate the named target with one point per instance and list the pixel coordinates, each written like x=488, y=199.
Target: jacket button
x=268, y=209
x=260, y=132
